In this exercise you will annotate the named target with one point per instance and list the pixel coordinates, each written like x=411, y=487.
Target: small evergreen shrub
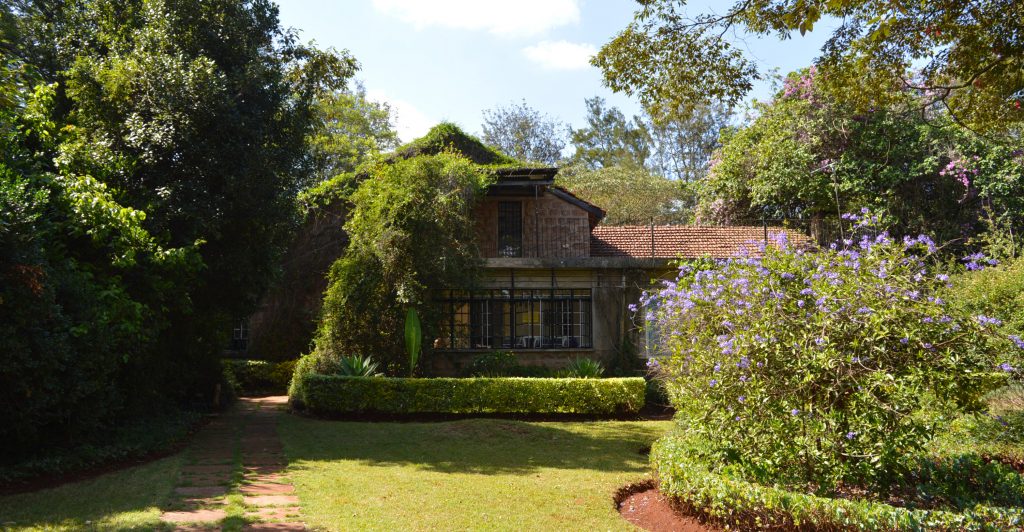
x=357, y=366
x=583, y=368
x=337, y=395
x=258, y=377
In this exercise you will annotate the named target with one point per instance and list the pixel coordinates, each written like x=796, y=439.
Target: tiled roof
x=684, y=241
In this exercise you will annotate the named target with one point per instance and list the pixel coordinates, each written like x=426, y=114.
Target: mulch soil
x=645, y=507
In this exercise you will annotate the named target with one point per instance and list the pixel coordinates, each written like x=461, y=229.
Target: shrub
x=583, y=368
x=334, y=395
x=997, y=292
x=492, y=364
x=816, y=369
x=258, y=377
x=358, y=366
x=684, y=474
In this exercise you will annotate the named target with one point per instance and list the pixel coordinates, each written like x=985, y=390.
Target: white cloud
x=561, y=55
x=409, y=121
x=500, y=17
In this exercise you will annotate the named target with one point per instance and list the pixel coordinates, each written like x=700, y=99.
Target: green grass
x=469, y=474
x=122, y=500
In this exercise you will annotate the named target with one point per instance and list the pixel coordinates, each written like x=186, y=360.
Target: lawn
x=469, y=474
x=474, y=473
x=122, y=500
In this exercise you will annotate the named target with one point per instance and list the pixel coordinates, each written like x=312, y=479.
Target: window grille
x=520, y=319
x=510, y=229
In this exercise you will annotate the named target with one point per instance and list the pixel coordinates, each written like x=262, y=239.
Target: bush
x=816, y=369
x=683, y=473
x=334, y=395
x=258, y=377
x=583, y=368
x=997, y=292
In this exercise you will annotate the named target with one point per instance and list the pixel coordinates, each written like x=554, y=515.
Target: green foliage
x=258, y=377
x=492, y=364
x=525, y=134
x=609, y=139
x=413, y=338
x=410, y=231
x=350, y=130
x=582, y=368
x=996, y=292
x=144, y=147
x=135, y=440
x=807, y=154
x=628, y=194
x=332, y=395
x=357, y=366
x=447, y=137
x=673, y=57
x=686, y=471
x=820, y=368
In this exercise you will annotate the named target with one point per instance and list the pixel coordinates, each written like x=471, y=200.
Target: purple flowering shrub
x=815, y=368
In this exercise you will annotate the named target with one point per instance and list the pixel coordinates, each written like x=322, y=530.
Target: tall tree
x=525, y=133
x=684, y=141
x=808, y=155
x=349, y=128
x=972, y=52
x=629, y=194
x=609, y=139
x=188, y=122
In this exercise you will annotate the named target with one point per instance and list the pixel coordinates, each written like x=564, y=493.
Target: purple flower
x=985, y=320
x=713, y=383
x=653, y=364
x=794, y=412
x=904, y=341
x=851, y=435
x=742, y=398
x=787, y=275
x=820, y=341
x=864, y=310
x=800, y=303
x=718, y=367
x=942, y=277
x=632, y=307
x=1017, y=341
x=1007, y=367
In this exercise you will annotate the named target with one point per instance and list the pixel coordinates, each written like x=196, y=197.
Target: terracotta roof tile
x=684, y=241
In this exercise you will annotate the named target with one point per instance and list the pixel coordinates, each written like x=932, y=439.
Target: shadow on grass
x=480, y=446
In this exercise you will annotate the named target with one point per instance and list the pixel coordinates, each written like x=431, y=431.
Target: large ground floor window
x=516, y=319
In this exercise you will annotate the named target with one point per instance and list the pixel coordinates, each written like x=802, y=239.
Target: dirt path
x=236, y=474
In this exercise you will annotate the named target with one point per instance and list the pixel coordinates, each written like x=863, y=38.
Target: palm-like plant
x=584, y=368
x=358, y=366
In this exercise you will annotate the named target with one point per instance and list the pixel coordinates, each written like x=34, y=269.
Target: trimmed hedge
x=258, y=377
x=336, y=395
x=747, y=505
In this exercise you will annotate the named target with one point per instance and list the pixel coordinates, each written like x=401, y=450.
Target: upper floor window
x=510, y=229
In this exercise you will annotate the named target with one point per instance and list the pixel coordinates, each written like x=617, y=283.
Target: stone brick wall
x=552, y=228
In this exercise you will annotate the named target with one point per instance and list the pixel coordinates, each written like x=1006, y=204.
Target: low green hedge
x=337, y=395
x=258, y=377
x=747, y=505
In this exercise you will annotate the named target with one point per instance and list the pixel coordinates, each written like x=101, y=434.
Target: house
x=556, y=284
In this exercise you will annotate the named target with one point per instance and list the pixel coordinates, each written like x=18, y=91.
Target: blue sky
x=436, y=60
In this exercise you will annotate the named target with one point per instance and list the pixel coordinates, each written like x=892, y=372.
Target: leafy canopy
x=525, y=133
x=972, y=54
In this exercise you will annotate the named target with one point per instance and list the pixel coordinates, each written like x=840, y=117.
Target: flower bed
x=748, y=505
x=338, y=395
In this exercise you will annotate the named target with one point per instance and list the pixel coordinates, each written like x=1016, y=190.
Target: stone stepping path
x=238, y=453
